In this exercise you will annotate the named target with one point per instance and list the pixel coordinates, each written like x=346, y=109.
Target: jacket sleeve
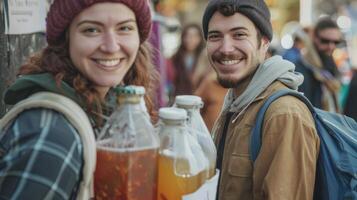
x=286, y=165
x=41, y=157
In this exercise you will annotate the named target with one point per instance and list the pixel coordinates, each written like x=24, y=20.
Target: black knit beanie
x=256, y=10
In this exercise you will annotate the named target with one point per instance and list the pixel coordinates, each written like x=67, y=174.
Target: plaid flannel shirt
x=40, y=157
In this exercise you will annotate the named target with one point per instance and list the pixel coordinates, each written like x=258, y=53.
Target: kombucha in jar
x=127, y=151
x=181, y=159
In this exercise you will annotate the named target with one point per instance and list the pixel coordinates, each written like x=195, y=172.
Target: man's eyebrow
x=211, y=32
x=232, y=29
x=238, y=28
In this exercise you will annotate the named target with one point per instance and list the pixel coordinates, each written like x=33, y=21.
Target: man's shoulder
x=287, y=106
x=290, y=108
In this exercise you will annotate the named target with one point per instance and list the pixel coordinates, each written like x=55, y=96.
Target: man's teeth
x=229, y=62
x=109, y=63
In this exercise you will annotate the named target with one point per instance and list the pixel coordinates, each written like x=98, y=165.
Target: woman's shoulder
x=42, y=144
x=42, y=123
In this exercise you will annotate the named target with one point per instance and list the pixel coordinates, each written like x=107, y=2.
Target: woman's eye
x=91, y=30
x=125, y=28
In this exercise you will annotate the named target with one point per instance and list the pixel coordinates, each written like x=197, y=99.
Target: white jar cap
x=188, y=100
x=172, y=113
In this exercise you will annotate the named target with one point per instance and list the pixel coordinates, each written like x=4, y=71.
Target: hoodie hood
x=27, y=85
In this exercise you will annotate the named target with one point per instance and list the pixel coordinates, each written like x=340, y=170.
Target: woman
x=92, y=46
x=184, y=62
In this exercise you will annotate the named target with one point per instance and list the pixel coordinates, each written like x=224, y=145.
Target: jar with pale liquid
x=181, y=159
x=127, y=151
x=197, y=127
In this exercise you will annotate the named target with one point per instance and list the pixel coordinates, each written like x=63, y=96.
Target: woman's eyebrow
x=100, y=23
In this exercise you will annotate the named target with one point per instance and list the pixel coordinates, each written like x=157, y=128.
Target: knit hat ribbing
x=256, y=10
x=62, y=12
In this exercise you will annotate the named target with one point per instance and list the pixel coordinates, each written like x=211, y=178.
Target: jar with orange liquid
x=197, y=127
x=127, y=151
x=181, y=159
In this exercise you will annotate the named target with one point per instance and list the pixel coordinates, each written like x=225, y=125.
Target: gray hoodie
x=274, y=68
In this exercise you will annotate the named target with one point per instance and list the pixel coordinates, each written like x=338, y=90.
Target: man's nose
x=331, y=45
x=227, y=45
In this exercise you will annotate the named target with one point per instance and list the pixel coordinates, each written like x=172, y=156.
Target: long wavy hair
x=55, y=59
x=183, y=82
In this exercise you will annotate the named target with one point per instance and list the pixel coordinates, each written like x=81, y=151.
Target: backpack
x=77, y=117
x=336, y=171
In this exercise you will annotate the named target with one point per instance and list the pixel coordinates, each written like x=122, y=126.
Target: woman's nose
x=110, y=43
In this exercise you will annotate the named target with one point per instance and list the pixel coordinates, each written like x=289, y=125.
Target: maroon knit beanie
x=62, y=12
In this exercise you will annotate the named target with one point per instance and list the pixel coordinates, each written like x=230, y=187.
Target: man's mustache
x=223, y=56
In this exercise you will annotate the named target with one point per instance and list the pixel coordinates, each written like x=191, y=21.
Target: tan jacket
x=285, y=167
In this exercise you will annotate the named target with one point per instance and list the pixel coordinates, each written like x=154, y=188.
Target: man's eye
x=213, y=37
x=240, y=35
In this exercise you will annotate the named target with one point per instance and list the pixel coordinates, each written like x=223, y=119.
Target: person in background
x=212, y=94
x=92, y=47
x=203, y=70
x=238, y=34
x=184, y=62
x=321, y=76
x=294, y=53
x=350, y=108
x=208, y=88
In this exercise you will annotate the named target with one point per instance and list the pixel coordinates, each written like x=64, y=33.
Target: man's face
x=327, y=39
x=233, y=48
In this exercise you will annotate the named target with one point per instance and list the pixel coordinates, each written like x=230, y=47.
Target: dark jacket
x=351, y=106
x=311, y=87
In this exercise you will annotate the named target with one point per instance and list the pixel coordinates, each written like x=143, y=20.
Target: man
x=238, y=33
x=321, y=84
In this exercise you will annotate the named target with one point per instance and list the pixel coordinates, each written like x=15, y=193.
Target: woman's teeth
x=108, y=63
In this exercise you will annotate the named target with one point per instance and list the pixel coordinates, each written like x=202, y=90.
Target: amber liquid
x=126, y=175
x=172, y=186
x=211, y=172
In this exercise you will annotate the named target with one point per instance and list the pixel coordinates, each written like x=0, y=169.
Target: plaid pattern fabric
x=40, y=157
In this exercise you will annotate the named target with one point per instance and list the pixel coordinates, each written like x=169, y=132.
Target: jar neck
x=189, y=107
x=128, y=99
x=170, y=122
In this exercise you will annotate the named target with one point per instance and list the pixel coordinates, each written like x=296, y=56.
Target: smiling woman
x=92, y=46
x=104, y=43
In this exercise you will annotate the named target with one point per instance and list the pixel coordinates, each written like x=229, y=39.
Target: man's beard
x=227, y=83
x=231, y=82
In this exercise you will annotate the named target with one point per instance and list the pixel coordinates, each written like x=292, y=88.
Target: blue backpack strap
x=255, y=138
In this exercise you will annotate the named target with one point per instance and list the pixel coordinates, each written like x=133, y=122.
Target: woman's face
x=103, y=43
x=192, y=39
